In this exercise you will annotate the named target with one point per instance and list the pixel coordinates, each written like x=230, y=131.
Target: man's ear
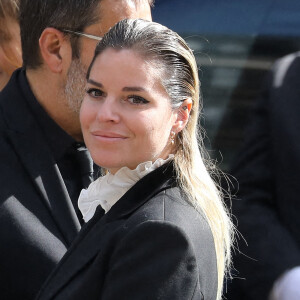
x=54, y=47
x=183, y=115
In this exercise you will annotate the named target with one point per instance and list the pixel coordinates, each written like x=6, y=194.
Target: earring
x=172, y=136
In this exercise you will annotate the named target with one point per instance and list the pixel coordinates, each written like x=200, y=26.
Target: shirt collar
x=108, y=189
x=59, y=141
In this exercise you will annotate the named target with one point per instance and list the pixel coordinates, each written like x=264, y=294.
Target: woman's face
x=10, y=50
x=126, y=116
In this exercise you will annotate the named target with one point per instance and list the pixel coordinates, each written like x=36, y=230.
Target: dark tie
x=85, y=164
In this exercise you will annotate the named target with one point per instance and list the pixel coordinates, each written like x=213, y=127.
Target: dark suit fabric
x=268, y=205
x=37, y=219
x=152, y=244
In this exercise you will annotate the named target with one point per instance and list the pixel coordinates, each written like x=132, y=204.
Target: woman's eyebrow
x=133, y=89
x=125, y=89
x=91, y=81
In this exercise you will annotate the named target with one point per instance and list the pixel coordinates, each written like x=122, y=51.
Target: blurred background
x=235, y=43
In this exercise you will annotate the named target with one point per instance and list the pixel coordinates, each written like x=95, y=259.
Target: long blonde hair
x=9, y=11
x=171, y=54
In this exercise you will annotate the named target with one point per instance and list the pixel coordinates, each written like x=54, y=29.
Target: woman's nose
x=108, y=111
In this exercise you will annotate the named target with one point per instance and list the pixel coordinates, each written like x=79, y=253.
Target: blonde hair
x=194, y=171
x=171, y=54
x=9, y=9
x=11, y=46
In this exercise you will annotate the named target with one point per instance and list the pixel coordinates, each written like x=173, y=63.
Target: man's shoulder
x=12, y=100
x=17, y=125
x=12, y=89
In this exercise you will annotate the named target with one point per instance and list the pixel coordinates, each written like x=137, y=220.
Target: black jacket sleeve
x=155, y=260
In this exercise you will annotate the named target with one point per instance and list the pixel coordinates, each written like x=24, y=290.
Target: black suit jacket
x=267, y=170
x=37, y=219
x=152, y=244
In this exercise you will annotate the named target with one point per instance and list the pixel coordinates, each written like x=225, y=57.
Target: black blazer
x=37, y=219
x=267, y=169
x=152, y=244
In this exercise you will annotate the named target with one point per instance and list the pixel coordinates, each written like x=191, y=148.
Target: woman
x=165, y=233
x=10, y=42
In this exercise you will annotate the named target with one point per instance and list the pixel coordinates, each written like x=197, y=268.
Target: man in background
x=268, y=205
x=43, y=161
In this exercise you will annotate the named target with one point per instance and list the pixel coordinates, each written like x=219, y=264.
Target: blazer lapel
x=47, y=179
x=87, y=244
x=29, y=144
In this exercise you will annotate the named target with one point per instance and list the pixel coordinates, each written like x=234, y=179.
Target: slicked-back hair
x=158, y=43
x=9, y=8
x=37, y=15
x=170, y=54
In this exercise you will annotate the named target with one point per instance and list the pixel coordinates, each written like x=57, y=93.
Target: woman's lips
x=108, y=136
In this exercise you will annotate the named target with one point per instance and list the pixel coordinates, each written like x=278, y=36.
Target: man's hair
x=36, y=15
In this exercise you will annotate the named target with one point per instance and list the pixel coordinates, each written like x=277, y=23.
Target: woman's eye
x=95, y=93
x=137, y=100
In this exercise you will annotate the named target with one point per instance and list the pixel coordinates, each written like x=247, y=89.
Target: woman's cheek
x=85, y=114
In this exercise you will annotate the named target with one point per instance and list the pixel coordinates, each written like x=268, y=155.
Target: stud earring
x=172, y=137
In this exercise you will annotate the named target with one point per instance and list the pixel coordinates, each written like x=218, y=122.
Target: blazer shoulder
x=170, y=205
x=168, y=217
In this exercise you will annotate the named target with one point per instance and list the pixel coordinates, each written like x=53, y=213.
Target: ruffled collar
x=108, y=189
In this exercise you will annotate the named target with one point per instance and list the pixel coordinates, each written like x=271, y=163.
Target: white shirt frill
x=108, y=189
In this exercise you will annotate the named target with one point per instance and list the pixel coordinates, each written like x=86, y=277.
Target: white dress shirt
x=287, y=287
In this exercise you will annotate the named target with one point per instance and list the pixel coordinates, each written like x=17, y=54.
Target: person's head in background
x=10, y=44
x=143, y=92
x=58, y=42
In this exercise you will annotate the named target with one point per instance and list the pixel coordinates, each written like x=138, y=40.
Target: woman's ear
x=53, y=47
x=183, y=115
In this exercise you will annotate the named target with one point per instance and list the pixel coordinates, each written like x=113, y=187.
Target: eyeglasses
x=90, y=36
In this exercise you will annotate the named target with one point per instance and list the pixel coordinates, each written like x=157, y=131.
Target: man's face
x=111, y=12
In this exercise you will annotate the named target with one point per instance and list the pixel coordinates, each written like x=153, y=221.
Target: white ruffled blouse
x=108, y=189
